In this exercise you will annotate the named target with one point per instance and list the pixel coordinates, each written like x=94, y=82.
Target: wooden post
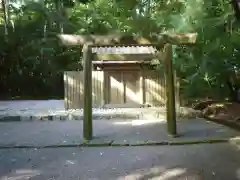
x=87, y=111
x=170, y=91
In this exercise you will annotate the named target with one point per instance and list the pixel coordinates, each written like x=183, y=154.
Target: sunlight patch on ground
x=156, y=173
x=139, y=122
x=235, y=142
x=21, y=174
x=170, y=174
x=238, y=173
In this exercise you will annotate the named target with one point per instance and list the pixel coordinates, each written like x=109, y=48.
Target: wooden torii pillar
x=164, y=41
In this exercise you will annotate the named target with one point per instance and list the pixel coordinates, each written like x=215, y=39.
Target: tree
x=210, y=68
x=5, y=9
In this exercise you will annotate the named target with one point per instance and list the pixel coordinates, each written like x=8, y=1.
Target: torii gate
x=164, y=41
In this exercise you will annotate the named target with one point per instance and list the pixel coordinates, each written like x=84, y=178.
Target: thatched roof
x=137, y=49
x=124, y=53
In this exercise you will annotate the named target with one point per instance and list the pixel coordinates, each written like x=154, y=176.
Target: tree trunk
x=234, y=91
x=5, y=16
x=60, y=10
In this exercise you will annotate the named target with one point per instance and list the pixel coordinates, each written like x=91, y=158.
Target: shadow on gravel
x=195, y=162
x=115, y=133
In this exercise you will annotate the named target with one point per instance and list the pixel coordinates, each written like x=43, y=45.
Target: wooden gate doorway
x=123, y=87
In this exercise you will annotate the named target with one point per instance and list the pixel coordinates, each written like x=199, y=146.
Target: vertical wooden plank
x=158, y=88
x=98, y=89
x=105, y=87
x=98, y=81
x=163, y=92
x=143, y=87
x=146, y=87
x=154, y=87
x=70, y=83
x=79, y=89
x=137, y=77
x=65, y=90
x=140, y=85
x=102, y=88
x=115, y=87
x=74, y=90
x=109, y=87
x=148, y=84
x=112, y=89
x=169, y=79
x=150, y=87
x=160, y=101
x=124, y=86
x=87, y=111
x=132, y=86
x=81, y=82
x=117, y=77
x=121, y=88
x=94, y=87
x=177, y=93
x=69, y=90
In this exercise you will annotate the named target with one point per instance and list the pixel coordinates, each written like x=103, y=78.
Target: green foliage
x=31, y=56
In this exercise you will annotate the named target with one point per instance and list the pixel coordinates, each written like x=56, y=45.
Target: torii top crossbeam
x=101, y=40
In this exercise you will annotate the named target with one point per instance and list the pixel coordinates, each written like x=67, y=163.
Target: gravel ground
x=54, y=110
x=47, y=133
x=194, y=162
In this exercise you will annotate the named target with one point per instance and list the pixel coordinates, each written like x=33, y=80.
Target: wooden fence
x=117, y=87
